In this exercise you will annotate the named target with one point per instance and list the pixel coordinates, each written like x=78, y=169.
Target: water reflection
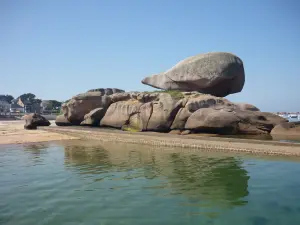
x=221, y=180
x=36, y=151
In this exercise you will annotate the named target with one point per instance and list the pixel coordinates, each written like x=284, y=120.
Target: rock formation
x=192, y=102
x=33, y=120
x=216, y=73
x=94, y=117
x=287, y=129
x=61, y=120
x=81, y=104
x=163, y=111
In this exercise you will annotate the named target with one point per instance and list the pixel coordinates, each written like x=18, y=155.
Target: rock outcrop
x=194, y=101
x=61, y=120
x=163, y=111
x=33, y=120
x=216, y=73
x=287, y=129
x=94, y=117
x=142, y=111
x=246, y=106
x=75, y=109
x=232, y=121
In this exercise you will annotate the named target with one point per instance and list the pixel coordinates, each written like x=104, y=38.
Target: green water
x=74, y=183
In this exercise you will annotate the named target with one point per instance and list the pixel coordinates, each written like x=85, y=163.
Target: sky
x=57, y=49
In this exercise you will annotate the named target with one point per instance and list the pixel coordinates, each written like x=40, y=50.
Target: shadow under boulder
x=61, y=120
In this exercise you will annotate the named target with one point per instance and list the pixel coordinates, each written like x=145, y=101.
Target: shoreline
x=213, y=144
x=13, y=132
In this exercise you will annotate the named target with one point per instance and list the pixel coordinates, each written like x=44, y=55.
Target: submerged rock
x=216, y=73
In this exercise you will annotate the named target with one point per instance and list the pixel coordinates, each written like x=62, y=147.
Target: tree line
x=31, y=98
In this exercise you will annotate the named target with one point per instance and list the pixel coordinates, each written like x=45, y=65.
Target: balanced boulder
x=33, y=120
x=216, y=73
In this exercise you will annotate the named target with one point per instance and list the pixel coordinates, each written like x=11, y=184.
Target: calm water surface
x=87, y=183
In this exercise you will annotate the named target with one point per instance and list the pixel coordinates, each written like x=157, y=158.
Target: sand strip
x=189, y=142
x=12, y=132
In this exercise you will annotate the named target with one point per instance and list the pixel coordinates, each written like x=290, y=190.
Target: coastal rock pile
x=191, y=102
x=171, y=110
x=82, y=104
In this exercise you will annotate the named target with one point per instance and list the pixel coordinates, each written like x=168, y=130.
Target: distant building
x=25, y=106
x=16, y=108
x=45, y=105
x=4, y=106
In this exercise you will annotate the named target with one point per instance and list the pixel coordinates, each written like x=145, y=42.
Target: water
x=74, y=183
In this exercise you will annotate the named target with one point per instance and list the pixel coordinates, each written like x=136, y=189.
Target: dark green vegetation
x=29, y=97
x=51, y=104
x=6, y=98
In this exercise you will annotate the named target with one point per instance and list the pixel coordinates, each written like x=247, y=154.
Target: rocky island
x=191, y=100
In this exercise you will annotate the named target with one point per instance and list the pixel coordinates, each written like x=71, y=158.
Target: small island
x=190, y=101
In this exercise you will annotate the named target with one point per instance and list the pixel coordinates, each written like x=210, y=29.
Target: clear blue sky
x=56, y=49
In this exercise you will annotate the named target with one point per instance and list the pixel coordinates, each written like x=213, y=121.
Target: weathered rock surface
x=61, y=120
x=81, y=104
x=232, y=121
x=168, y=110
x=195, y=101
x=94, y=117
x=119, y=113
x=286, y=129
x=246, y=106
x=33, y=120
x=209, y=120
x=164, y=110
x=216, y=73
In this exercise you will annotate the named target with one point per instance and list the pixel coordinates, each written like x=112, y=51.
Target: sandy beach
x=186, y=142
x=13, y=132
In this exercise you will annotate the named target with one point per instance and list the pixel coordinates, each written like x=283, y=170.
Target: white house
x=15, y=107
